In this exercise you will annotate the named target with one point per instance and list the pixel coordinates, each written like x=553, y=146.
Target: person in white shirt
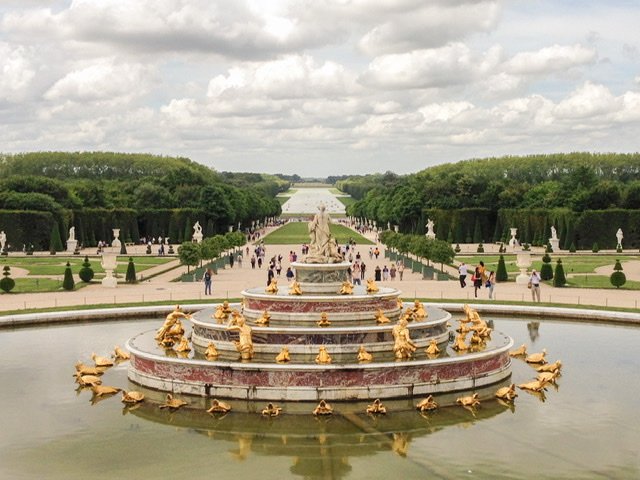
x=462, y=271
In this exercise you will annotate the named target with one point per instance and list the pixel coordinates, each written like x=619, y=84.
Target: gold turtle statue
x=100, y=390
x=537, y=357
x=82, y=369
x=264, y=319
x=88, y=380
x=295, y=289
x=381, y=318
x=433, y=349
x=468, y=401
x=427, y=404
x=550, y=367
x=363, y=355
x=218, y=406
x=272, y=287
x=371, y=286
x=101, y=361
x=283, y=356
x=376, y=408
x=271, y=410
x=132, y=396
x=324, y=320
x=120, y=354
x=548, y=377
x=323, y=408
x=172, y=403
x=534, y=385
x=211, y=352
x=346, y=288
x=507, y=393
x=323, y=356
x=521, y=351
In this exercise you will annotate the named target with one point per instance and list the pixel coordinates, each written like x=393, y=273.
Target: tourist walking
x=355, y=274
x=392, y=273
x=270, y=275
x=289, y=274
x=401, y=270
x=253, y=261
x=385, y=274
x=206, y=278
x=491, y=282
x=476, y=278
x=363, y=269
x=377, y=274
x=534, y=285
x=462, y=272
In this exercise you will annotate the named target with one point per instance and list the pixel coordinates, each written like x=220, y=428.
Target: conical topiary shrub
x=55, y=242
x=572, y=248
x=123, y=248
x=559, y=279
x=501, y=271
x=86, y=272
x=457, y=249
x=148, y=252
x=548, y=248
x=595, y=248
x=480, y=248
x=131, y=272
x=618, y=278
x=7, y=283
x=546, y=271
x=68, y=283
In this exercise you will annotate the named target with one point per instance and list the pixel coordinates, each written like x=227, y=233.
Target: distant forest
x=479, y=199
x=145, y=195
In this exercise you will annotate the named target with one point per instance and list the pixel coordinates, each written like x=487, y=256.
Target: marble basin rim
x=259, y=293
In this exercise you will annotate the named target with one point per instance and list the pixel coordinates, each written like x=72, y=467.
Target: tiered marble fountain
x=247, y=345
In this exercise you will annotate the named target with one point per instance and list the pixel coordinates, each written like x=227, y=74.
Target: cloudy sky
x=320, y=87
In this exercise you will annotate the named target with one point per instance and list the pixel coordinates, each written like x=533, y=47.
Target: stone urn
x=523, y=262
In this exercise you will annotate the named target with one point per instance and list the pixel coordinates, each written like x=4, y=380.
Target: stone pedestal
x=555, y=244
x=71, y=245
x=109, y=261
x=321, y=277
x=197, y=237
x=523, y=262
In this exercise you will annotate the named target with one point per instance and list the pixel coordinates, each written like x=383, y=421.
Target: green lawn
x=34, y=285
x=571, y=263
x=297, y=233
x=347, y=201
x=55, y=265
x=599, y=281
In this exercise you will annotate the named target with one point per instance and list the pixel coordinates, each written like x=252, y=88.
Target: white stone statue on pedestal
x=554, y=241
x=619, y=237
x=3, y=240
x=430, y=233
x=72, y=243
x=116, y=239
x=513, y=242
x=197, y=232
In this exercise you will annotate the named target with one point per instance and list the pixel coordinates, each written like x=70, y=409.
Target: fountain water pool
x=587, y=428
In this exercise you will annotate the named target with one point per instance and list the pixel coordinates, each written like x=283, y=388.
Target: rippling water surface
x=587, y=427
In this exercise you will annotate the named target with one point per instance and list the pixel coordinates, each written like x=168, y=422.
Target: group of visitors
x=479, y=278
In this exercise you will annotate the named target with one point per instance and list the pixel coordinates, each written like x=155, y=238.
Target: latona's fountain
x=320, y=339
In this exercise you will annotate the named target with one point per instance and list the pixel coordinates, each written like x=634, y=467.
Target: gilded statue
x=82, y=369
x=101, y=361
x=419, y=312
x=380, y=317
x=183, y=346
x=459, y=344
x=376, y=408
x=534, y=386
x=323, y=356
x=507, y=393
x=271, y=410
x=408, y=315
x=432, y=349
x=363, y=355
x=245, y=344
x=173, y=403
x=172, y=327
x=120, y=354
x=132, y=396
x=218, y=406
x=272, y=287
x=324, y=320
x=521, y=351
x=548, y=377
x=400, y=303
x=371, y=286
x=100, y=390
x=469, y=401
x=427, y=404
x=222, y=312
x=550, y=367
x=211, y=352
x=323, y=408
x=295, y=289
x=283, y=356
x=264, y=319
x=537, y=357
x=403, y=347
x=346, y=288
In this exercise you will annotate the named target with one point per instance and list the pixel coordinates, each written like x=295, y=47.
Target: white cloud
x=550, y=59
x=588, y=100
x=16, y=72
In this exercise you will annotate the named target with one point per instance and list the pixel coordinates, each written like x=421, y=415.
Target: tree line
x=66, y=188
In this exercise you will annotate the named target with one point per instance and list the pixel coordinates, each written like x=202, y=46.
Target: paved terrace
x=228, y=283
